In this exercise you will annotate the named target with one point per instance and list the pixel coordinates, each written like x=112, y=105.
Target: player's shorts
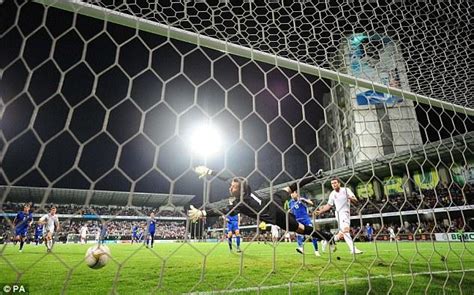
x=275, y=233
x=38, y=236
x=21, y=231
x=305, y=222
x=343, y=219
x=151, y=233
x=232, y=226
x=48, y=229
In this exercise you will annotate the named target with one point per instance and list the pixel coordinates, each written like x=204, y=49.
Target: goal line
x=331, y=282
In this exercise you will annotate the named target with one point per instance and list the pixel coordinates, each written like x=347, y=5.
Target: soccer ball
x=262, y=225
x=97, y=256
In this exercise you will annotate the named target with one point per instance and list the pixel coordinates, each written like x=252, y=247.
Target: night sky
x=96, y=113
x=110, y=108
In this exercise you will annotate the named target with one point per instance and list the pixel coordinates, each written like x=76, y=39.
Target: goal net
x=107, y=107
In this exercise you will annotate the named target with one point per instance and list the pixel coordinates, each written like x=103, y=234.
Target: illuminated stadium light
x=205, y=140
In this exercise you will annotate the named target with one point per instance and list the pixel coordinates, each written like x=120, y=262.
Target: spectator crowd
x=121, y=225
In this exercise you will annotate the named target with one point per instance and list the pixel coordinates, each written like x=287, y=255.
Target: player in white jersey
x=275, y=233
x=391, y=232
x=341, y=197
x=83, y=233
x=51, y=223
x=287, y=237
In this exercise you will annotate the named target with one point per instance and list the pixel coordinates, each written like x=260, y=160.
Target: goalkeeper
x=244, y=201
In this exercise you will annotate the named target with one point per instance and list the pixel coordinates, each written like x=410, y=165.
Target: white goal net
x=104, y=107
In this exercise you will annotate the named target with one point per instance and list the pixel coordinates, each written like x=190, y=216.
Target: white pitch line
x=262, y=288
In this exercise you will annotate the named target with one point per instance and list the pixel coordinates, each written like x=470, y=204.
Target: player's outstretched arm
x=307, y=201
x=353, y=200
x=294, y=187
x=203, y=171
x=323, y=209
x=195, y=214
x=214, y=209
x=42, y=221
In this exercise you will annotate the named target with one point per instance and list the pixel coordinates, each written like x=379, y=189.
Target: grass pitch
x=396, y=268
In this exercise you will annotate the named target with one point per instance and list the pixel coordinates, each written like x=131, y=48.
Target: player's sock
x=315, y=244
x=299, y=240
x=152, y=241
x=237, y=241
x=230, y=243
x=21, y=244
x=349, y=242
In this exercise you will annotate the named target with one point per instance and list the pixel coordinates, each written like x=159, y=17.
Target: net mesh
x=432, y=35
x=99, y=101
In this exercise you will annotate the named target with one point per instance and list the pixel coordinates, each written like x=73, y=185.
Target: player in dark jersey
x=103, y=233
x=22, y=222
x=135, y=230
x=38, y=233
x=150, y=230
x=370, y=232
x=251, y=204
x=233, y=223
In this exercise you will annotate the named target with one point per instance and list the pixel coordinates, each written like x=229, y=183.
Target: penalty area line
x=326, y=282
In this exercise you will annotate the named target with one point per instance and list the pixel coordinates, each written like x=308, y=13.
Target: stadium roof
x=435, y=154
x=443, y=153
x=81, y=197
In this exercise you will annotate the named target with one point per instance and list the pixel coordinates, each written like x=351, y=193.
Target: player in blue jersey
x=38, y=233
x=233, y=223
x=103, y=232
x=22, y=222
x=141, y=234
x=299, y=208
x=370, y=232
x=135, y=230
x=150, y=230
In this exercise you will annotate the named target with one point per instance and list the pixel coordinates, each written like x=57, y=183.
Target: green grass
x=401, y=268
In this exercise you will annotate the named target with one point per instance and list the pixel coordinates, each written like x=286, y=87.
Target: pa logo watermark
x=14, y=289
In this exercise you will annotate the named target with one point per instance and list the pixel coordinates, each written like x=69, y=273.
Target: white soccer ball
x=97, y=256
